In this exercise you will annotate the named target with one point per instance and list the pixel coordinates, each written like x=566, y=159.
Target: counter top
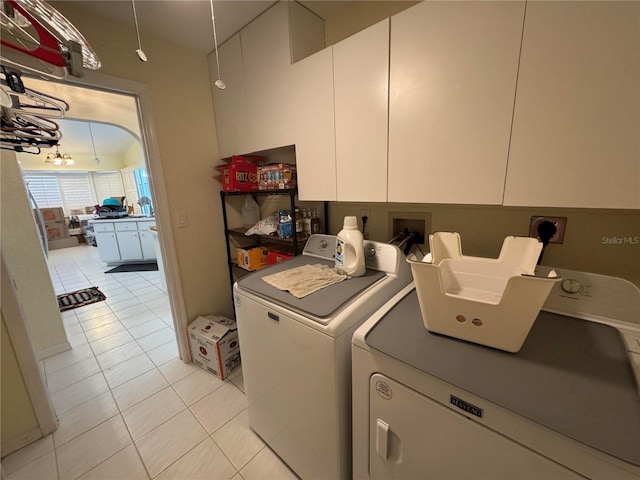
x=130, y=218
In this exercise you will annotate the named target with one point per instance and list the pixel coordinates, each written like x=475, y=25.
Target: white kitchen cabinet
x=232, y=116
x=361, y=88
x=107, y=245
x=129, y=245
x=453, y=77
x=576, y=127
x=267, y=58
x=314, y=127
x=147, y=240
x=124, y=240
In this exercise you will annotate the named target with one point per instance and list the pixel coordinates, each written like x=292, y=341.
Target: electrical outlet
x=365, y=213
x=559, y=222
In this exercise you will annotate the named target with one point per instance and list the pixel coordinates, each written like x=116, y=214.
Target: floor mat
x=80, y=298
x=134, y=267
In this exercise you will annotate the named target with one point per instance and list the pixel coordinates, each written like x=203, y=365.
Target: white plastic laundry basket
x=493, y=302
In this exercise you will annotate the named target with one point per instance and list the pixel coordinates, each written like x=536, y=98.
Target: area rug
x=80, y=298
x=134, y=267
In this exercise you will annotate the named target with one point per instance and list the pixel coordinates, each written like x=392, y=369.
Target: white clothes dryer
x=296, y=355
x=427, y=406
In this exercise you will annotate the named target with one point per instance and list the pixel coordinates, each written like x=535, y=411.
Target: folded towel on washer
x=304, y=280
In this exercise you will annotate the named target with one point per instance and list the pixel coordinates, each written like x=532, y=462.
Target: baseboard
x=15, y=444
x=54, y=350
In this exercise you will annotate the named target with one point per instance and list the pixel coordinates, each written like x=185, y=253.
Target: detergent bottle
x=350, y=249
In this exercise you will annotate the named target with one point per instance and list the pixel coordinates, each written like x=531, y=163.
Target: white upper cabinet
x=361, y=84
x=254, y=112
x=576, y=128
x=267, y=73
x=267, y=57
x=231, y=112
x=314, y=126
x=452, y=86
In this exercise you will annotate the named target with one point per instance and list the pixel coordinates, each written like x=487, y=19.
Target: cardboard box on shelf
x=274, y=257
x=213, y=340
x=253, y=258
x=277, y=176
x=52, y=214
x=241, y=175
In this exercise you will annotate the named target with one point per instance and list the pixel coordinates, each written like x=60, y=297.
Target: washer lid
x=572, y=376
x=320, y=304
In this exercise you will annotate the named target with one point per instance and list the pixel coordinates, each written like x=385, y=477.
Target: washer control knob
x=571, y=285
x=322, y=244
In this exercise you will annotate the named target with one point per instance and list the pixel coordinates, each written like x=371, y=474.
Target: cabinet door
x=452, y=86
x=314, y=126
x=267, y=73
x=576, y=127
x=361, y=83
x=107, y=246
x=230, y=104
x=147, y=241
x=129, y=244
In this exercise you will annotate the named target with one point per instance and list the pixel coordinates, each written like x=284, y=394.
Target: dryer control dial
x=571, y=285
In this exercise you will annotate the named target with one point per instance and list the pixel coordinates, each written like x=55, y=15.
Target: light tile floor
x=128, y=407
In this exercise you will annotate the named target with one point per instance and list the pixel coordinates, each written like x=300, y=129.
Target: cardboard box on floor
x=213, y=340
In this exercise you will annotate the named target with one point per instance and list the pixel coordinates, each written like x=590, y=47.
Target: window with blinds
x=73, y=190
x=76, y=191
x=45, y=189
x=108, y=184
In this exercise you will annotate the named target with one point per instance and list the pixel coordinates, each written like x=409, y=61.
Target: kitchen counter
x=130, y=218
x=126, y=239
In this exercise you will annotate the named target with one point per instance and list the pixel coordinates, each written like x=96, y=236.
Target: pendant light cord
x=135, y=20
x=219, y=83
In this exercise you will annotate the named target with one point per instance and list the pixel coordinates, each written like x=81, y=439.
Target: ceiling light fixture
x=218, y=83
x=59, y=158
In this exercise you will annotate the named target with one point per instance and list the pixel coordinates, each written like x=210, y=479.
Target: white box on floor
x=213, y=340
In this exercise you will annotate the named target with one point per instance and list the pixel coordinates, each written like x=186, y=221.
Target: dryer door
x=412, y=436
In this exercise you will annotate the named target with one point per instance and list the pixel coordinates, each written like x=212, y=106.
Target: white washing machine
x=296, y=355
x=426, y=406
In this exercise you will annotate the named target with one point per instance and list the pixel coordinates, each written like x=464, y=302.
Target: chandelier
x=59, y=158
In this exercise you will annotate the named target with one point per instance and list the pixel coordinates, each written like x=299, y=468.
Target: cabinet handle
x=273, y=316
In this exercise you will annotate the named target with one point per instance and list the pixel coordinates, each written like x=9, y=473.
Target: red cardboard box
x=274, y=257
x=241, y=175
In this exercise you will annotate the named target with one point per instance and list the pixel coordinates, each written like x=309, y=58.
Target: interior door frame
x=153, y=163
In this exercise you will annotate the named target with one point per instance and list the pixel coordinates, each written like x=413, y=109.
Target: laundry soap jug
x=350, y=249
x=250, y=212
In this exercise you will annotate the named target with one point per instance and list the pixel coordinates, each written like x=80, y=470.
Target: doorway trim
x=142, y=94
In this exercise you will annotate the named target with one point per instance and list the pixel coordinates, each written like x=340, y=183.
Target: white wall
x=26, y=262
x=179, y=84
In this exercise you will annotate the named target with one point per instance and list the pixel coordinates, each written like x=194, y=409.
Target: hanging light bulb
x=59, y=158
x=218, y=83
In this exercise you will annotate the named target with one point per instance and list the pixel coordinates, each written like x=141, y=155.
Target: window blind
x=45, y=189
x=76, y=191
x=108, y=185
